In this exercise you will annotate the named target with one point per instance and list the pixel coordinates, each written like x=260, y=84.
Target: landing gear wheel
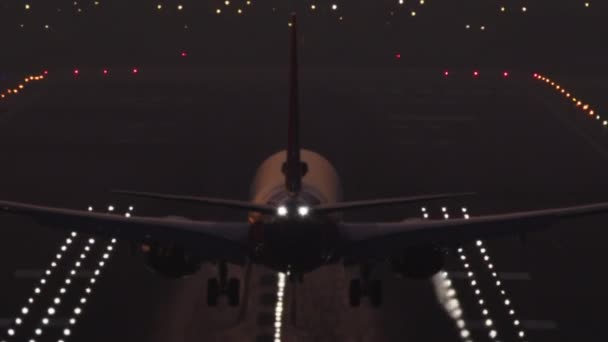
x=375, y=293
x=354, y=293
x=234, y=292
x=213, y=291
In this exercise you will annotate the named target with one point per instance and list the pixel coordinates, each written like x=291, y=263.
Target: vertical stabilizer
x=293, y=168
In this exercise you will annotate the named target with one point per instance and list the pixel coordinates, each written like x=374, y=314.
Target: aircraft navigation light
x=282, y=210
x=303, y=211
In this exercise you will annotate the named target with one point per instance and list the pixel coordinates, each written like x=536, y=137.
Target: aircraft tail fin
x=293, y=168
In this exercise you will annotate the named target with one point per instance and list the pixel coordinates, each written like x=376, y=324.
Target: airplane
x=294, y=224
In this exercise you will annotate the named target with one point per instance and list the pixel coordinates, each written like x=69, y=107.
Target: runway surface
x=514, y=141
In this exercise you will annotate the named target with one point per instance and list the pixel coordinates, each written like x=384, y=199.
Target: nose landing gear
x=221, y=285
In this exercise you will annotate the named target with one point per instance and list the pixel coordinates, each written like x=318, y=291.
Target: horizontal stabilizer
x=211, y=201
x=381, y=202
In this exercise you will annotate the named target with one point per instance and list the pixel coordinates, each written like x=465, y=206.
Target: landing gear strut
x=223, y=286
x=365, y=287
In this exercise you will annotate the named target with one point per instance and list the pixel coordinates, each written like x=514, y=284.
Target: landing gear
x=223, y=286
x=365, y=287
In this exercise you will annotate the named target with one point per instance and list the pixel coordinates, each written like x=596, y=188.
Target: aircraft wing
x=212, y=240
x=381, y=240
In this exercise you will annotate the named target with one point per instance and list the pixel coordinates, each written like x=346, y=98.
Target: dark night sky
x=392, y=126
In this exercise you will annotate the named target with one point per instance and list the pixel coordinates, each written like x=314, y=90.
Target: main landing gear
x=365, y=287
x=221, y=285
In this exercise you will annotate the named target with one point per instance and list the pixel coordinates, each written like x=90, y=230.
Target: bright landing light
x=303, y=211
x=282, y=210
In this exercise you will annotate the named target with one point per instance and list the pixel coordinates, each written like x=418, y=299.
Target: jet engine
x=169, y=261
x=419, y=261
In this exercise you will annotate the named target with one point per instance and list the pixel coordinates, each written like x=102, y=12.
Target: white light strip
x=483, y=250
x=487, y=318
x=77, y=310
x=57, y=301
x=11, y=331
x=278, y=311
x=448, y=297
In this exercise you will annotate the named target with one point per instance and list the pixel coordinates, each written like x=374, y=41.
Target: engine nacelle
x=419, y=261
x=169, y=261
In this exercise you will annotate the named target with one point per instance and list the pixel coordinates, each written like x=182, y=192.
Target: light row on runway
x=475, y=73
x=278, y=311
x=498, y=283
x=55, y=304
x=106, y=72
x=40, y=285
x=579, y=104
x=448, y=296
x=5, y=95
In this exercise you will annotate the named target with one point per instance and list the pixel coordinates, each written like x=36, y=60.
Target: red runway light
x=105, y=71
x=535, y=75
x=76, y=72
x=446, y=73
x=135, y=71
x=505, y=74
x=398, y=56
x=184, y=54
x=46, y=72
x=475, y=73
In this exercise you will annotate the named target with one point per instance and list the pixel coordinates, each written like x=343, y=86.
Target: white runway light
x=38, y=290
x=499, y=286
x=279, y=306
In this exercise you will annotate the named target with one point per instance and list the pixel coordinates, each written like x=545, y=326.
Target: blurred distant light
x=184, y=54
x=446, y=73
x=76, y=72
x=105, y=71
x=505, y=74
x=135, y=71
x=46, y=72
x=475, y=73
x=398, y=56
